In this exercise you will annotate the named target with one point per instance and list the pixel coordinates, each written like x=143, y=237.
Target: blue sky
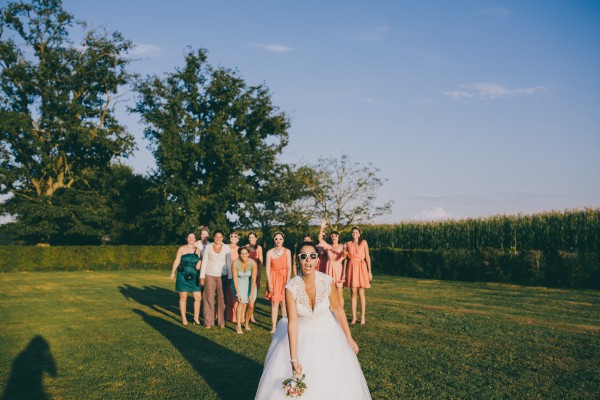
x=468, y=108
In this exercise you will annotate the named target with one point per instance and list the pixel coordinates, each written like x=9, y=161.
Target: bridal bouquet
x=294, y=386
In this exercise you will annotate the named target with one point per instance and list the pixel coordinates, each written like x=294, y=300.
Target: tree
x=344, y=192
x=284, y=200
x=215, y=140
x=58, y=130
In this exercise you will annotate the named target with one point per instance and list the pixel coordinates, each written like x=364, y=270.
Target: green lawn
x=116, y=335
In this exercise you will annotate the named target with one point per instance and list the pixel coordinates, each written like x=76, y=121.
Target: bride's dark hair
x=309, y=244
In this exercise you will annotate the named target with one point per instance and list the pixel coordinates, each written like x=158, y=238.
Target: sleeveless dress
x=357, y=274
x=334, y=267
x=278, y=278
x=253, y=250
x=188, y=264
x=329, y=363
x=244, y=279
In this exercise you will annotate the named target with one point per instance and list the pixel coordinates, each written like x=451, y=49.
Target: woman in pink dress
x=256, y=254
x=279, y=269
x=230, y=300
x=336, y=254
x=358, y=272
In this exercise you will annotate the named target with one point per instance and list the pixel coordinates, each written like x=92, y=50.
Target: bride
x=315, y=339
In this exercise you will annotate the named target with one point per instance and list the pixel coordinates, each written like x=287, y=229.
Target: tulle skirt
x=329, y=363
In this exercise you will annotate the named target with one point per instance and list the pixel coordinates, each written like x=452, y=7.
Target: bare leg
x=353, y=301
x=363, y=305
x=183, y=307
x=197, y=298
x=274, y=312
x=283, y=310
x=249, y=311
x=239, y=312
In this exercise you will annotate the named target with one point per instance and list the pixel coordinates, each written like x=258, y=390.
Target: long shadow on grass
x=28, y=369
x=210, y=360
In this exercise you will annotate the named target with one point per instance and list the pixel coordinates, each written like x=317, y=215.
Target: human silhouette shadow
x=210, y=360
x=25, y=381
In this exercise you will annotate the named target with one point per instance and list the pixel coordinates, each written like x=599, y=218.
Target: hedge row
x=85, y=258
x=533, y=267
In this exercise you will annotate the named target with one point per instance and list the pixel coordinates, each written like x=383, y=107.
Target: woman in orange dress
x=336, y=254
x=230, y=300
x=279, y=269
x=358, y=272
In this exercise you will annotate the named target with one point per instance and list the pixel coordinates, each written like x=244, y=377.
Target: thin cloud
x=498, y=12
x=375, y=35
x=273, y=48
x=436, y=214
x=491, y=91
x=145, y=50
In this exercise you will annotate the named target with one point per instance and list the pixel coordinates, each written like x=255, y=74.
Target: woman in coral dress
x=314, y=340
x=358, y=272
x=256, y=254
x=279, y=269
x=336, y=254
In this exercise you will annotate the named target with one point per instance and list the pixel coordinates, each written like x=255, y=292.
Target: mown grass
x=116, y=335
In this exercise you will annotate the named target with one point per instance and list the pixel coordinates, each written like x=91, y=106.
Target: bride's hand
x=353, y=345
x=297, y=367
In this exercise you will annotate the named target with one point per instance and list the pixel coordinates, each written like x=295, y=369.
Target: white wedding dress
x=329, y=363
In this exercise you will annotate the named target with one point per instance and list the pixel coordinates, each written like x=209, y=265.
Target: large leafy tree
x=58, y=130
x=215, y=140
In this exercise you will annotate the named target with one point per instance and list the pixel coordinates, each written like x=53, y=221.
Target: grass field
x=116, y=335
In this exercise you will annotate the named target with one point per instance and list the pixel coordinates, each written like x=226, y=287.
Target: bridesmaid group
x=232, y=273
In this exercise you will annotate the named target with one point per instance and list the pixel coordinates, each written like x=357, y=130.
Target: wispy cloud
x=436, y=214
x=424, y=102
x=497, y=12
x=375, y=35
x=145, y=50
x=491, y=91
x=273, y=47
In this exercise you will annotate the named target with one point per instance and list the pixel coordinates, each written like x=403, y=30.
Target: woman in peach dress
x=336, y=254
x=358, y=272
x=279, y=269
x=256, y=254
x=230, y=300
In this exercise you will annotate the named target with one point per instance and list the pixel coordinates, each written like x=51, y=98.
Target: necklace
x=277, y=253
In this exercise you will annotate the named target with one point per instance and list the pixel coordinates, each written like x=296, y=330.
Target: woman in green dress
x=244, y=287
x=187, y=265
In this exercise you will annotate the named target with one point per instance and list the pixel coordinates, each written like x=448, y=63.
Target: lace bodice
x=323, y=288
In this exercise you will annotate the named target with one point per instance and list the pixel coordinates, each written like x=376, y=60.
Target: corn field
x=571, y=230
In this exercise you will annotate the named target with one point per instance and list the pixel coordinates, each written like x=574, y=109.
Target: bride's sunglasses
x=304, y=256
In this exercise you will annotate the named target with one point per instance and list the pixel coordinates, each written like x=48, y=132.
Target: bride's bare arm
x=340, y=315
x=292, y=330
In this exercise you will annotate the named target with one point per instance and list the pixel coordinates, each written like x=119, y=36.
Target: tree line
x=215, y=138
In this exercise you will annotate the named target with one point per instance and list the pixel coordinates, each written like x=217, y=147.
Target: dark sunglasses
x=304, y=256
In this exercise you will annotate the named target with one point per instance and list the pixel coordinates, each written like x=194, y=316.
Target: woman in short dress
x=336, y=254
x=279, y=269
x=244, y=287
x=186, y=265
x=256, y=253
x=358, y=272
